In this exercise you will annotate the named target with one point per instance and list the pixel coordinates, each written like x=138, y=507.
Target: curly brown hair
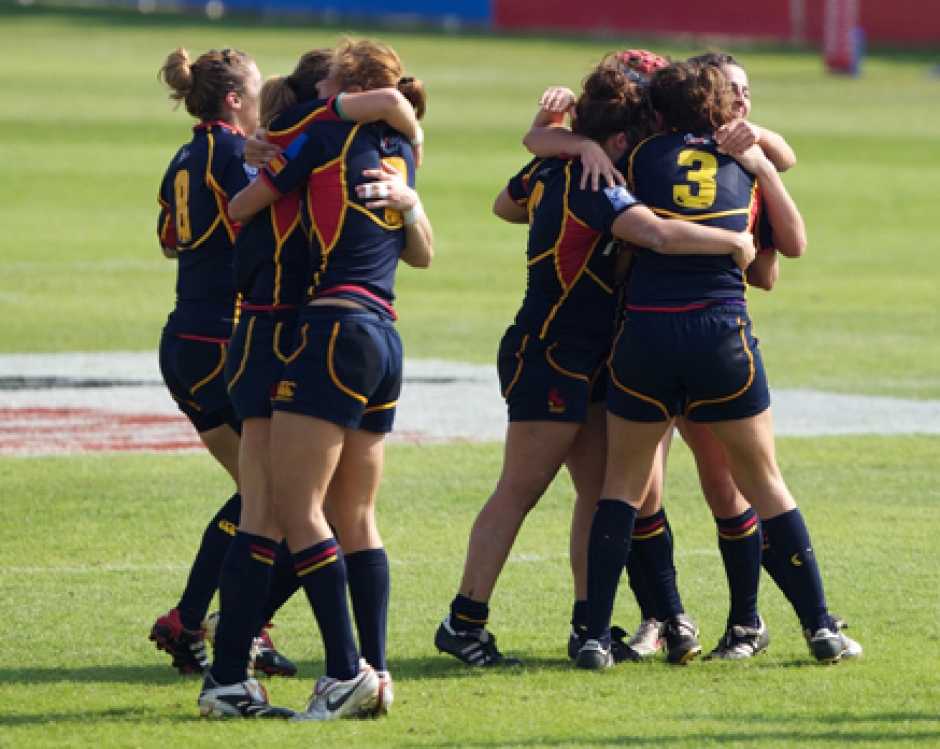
x=611, y=103
x=371, y=64
x=692, y=96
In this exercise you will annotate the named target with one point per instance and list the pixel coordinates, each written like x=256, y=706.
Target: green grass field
x=92, y=549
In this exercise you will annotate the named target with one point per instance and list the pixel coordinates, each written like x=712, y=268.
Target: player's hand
x=745, y=252
x=258, y=152
x=557, y=99
x=386, y=189
x=597, y=164
x=753, y=159
x=737, y=136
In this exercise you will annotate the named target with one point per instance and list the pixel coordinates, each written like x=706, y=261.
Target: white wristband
x=413, y=215
x=419, y=137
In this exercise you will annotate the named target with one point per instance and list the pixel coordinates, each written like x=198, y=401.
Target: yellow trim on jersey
x=750, y=379
x=302, y=125
x=301, y=347
x=556, y=366
x=519, y=353
x=544, y=255
x=382, y=407
x=244, y=361
x=631, y=184
x=326, y=250
x=262, y=558
x=280, y=241
x=214, y=373
x=700, y=217
x=329, y=363
x=365, y=211
x=604, y=286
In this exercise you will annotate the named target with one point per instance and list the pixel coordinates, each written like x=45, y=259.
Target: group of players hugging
x=652, y=204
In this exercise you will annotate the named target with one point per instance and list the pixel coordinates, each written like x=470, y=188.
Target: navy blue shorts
x=346, y=368
x=193, y=373
x=260, y=348
x=550, y=380
x=705, y=364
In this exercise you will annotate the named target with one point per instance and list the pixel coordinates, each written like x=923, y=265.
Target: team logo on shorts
x=285, y=391
x=556, y=404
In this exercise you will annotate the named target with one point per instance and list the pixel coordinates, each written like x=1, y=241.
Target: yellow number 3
x=703, y=176
x=184, y=232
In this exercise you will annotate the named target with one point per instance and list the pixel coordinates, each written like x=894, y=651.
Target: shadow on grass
x=436, y=666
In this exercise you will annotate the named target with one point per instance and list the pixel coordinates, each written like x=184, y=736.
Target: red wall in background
x=884, y=21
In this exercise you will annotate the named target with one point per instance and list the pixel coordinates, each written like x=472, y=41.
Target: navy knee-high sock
x=739, y=540
x=243, y=587
x=322, y=573
x=636, y=576
x=284, y=583
x=204, y=575
x=789, y=539
x=652, y=546
x=608, y=547
x=777, y=569
x=369, y=586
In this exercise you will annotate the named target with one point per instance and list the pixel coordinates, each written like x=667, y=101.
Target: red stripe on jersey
x=286, y=210
x=202, y=338
x=574, y=249
x=327, y=201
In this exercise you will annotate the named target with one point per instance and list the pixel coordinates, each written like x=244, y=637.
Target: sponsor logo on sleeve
x=620, y=197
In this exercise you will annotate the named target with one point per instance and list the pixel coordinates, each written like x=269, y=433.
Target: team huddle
x=652, y=204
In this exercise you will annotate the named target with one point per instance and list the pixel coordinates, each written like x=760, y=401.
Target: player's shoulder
x=294, y=120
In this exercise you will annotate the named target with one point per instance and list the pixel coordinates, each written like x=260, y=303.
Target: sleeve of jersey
x=763, y=233
x=291, y=168
x=518, y=187
x=166, y=229
x=600, y=210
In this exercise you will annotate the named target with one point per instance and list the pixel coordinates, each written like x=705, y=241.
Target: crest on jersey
x=620, y=197
x=695, y=140
x=389, y=144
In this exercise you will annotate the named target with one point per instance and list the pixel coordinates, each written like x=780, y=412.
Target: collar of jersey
x=219, y=123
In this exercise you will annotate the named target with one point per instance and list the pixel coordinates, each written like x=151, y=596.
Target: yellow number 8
x=703, y=176
x=184, y=232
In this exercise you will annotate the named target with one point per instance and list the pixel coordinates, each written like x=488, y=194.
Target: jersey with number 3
x=571, y=251
x=194, y=195
x=682, y=176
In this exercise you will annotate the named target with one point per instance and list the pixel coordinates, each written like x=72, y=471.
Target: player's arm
x=509, y=210
x=763, y=272
x=640, y=226
x=253, y=199
x=391, y=191
x=789, y=232
x=548, y=137
x=166, y=232
x=557, y=141
x=739, y=135
x=387, y=104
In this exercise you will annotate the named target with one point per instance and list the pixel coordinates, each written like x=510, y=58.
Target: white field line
x=441, y=401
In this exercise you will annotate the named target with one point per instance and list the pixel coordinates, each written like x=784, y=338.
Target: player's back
x=354, y=249
x=201, y=179
x=683, y=176
x=272, y=253
x=571, y=253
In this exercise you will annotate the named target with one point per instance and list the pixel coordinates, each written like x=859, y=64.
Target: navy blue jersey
x=571, y=252
x=682, y=176
x=272, y=250
x=354, y=250
x=194, y=196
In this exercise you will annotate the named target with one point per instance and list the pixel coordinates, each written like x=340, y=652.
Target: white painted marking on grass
x=441, y=401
